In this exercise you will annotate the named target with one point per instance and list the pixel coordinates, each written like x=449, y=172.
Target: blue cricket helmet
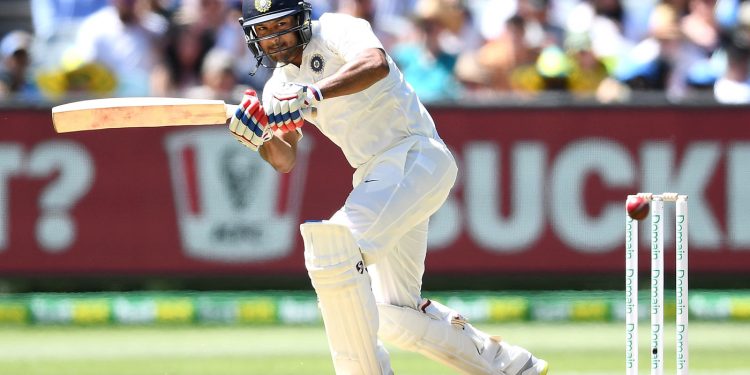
x=259, y=11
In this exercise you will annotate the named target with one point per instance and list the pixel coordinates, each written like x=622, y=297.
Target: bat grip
x=230, y=109
x=309, y=113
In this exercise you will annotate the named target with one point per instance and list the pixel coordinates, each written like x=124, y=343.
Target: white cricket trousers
x=388, y=210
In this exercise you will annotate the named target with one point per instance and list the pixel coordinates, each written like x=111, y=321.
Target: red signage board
x=538, y=190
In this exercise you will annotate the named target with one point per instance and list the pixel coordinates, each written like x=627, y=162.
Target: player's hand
x=250, y=122
x=288, y=103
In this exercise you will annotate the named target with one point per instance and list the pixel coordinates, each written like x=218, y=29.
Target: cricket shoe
x=540, y=367
x=511, y=359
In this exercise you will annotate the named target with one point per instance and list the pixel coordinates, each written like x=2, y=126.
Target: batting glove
x=250, y=123
x=287, y=104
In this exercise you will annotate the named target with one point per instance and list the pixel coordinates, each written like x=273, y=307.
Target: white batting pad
x=345, y=298
x=439, y=335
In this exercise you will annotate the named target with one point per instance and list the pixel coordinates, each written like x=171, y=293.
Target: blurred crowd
x=602, y=50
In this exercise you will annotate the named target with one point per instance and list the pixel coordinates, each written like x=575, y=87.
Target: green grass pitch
x=571, y=348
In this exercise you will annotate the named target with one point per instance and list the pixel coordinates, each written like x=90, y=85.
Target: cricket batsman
x=366, y=262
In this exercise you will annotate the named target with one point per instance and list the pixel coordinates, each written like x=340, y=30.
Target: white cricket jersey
x=366, y=123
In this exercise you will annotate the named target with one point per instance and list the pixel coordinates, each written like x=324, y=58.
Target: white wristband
x=315, y=91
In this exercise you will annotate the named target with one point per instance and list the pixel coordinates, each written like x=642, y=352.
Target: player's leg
x=430, y=328
x=397, y=276
x=334, y=261
x=345, y=298
x=440, y=333
x=388, y=213
x=396, y=192
x=392, y=211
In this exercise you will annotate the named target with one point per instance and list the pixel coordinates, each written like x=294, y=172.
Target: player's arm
x=367, y=68
x=249, y=125
x=281, y=151
x=288, y=103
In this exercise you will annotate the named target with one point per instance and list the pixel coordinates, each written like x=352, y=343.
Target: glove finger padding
x=288, y=103
x=249, y=125
x=295, y=116
x=281, y=115
x=274, y=117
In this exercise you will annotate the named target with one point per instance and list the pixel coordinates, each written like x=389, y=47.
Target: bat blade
x=138, y=112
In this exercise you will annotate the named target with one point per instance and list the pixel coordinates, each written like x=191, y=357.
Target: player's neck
x=297, y=59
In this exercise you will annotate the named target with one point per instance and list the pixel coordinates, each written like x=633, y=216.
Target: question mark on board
x=55, y=229
x=11, y=159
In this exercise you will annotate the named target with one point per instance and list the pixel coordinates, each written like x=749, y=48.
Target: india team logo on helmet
x=263, y=5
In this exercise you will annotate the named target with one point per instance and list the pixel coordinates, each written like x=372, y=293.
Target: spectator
x=515, y=46
x=366, y=9
x=81, y=81
x=648, y=66
x=726, y=14
x=56, y=24
x=733, y=87
x=701, y=38
x=587, y=71
x=186, y=47
x=635, y=19
x=126, y=37
x=322, y=6
x=14, y=63
x=549, y=73
x=53, y=18
x=506, y=54
x=425, y=64
x=474, y=77
x=218, y=80
x=459, y=33
x=602, y=21
x=490, y=16
x=227, y=36
x=538, y=32
x=391, y=14
x=681, y=7
x=206, y=15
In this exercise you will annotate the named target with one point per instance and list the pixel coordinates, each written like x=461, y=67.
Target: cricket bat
x=139, y=112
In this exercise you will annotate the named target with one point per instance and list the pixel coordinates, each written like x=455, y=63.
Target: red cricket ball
x=637, y=207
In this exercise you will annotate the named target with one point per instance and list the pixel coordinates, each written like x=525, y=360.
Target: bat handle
x=230, y=108
x=310, y=113
x=307, y=113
